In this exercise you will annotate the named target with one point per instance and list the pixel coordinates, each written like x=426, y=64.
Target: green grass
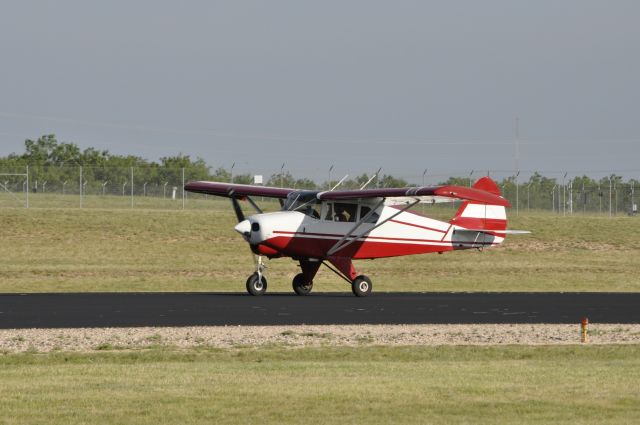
x=48, y=249
x=374, y=385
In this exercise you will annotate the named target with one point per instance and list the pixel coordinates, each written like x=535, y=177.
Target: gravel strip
x=92, y=339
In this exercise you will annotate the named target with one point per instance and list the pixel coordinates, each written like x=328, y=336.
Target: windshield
x=305, y=202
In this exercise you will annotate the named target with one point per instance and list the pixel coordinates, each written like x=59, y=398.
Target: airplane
x=335, y=227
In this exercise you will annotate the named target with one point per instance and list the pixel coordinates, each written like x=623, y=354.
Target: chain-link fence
x=162, y=187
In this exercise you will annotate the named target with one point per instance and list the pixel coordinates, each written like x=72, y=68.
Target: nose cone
x=244, y=228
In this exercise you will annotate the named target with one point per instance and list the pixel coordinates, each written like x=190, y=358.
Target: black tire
x=301, y=286
x=361, y=286
x=255, y=286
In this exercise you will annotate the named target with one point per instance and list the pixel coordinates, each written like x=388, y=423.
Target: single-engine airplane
x=337, y=226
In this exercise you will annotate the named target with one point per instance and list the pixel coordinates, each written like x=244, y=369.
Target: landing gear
x=361, y=286
x=257, y=283
x=300, y=285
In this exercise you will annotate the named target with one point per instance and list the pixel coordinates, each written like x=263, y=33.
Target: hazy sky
x=403, y=85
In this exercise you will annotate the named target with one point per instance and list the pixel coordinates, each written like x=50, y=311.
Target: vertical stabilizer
x=473, y=215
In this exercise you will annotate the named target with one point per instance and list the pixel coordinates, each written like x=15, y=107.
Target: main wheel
x=301, y=286
x=361, y=286
x=255, y=285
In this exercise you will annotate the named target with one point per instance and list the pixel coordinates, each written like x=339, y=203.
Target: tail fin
x=477, y=216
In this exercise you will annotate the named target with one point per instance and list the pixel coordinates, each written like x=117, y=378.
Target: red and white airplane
x=338, y=226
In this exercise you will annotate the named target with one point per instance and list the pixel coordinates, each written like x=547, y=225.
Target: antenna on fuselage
x=371, y=179
x=339, y=183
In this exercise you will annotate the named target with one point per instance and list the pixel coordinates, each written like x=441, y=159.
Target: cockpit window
x=305, y=202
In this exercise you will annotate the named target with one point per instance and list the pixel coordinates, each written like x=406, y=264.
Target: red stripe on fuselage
x=304, y=246
x=362, y=238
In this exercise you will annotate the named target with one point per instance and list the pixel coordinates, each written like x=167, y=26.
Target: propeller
x=244, y=227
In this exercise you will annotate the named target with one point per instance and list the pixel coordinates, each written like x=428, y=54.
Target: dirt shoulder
x=90, y=339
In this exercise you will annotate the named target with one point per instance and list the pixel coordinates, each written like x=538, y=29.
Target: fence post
x=517, y=195
x=27, y=186
x=183, y=188
x=609, y=196
x=600, y=198
x=80, y=187
x=131, y=187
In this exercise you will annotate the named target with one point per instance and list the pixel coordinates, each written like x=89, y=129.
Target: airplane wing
x=236, y=190
x=425, y=194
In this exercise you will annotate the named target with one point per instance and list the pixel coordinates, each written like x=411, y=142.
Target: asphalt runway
x=74, y=310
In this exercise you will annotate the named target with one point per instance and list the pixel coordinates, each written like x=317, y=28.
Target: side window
x=373, y=218
x=345, y=212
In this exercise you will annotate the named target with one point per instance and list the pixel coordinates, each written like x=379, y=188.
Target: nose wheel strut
x=257, y=283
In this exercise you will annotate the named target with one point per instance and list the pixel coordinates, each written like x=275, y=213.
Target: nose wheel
x=257, y=283
x=361, y=286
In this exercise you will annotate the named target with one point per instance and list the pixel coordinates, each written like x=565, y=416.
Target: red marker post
x=584, y=325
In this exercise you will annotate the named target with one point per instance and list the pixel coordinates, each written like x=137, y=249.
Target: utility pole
x=517, y=143
x=232, y=165
x=470, y=174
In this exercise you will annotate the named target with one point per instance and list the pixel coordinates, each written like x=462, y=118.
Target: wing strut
x=237, y=209
x=343, y=242
x=254, y=205
x=335, y=271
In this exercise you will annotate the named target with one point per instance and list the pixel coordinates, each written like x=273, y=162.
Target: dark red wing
x=236, y=190
x=458, y=192
x=364, y=193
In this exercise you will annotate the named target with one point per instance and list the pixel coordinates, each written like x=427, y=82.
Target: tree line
x=56, y=162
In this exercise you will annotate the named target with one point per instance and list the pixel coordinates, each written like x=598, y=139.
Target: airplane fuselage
x=299, y=235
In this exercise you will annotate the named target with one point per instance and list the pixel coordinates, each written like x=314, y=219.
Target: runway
x=75, y=310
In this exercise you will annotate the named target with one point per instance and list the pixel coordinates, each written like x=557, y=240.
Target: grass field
x=158, y=249
x=371, y=385
x=49, y=249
